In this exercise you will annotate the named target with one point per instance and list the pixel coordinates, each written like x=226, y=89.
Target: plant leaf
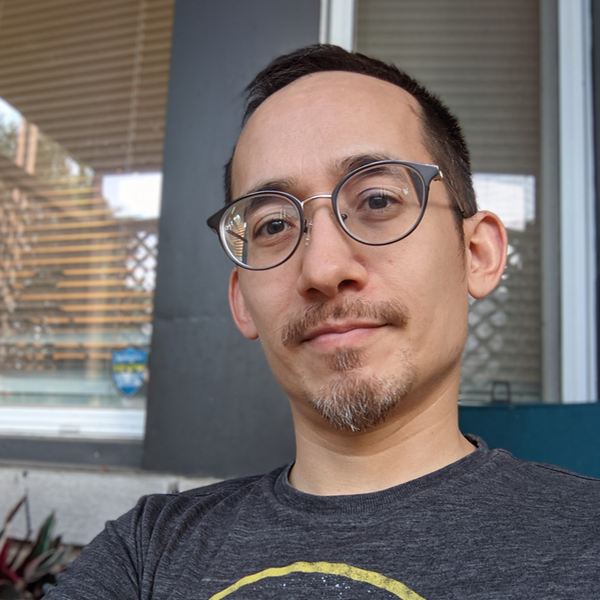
x=15, y=508
x=7, y=523
x=41, y=544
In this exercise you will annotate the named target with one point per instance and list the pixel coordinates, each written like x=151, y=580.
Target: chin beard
x=352, y=403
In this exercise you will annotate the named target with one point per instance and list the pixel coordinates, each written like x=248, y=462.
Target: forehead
x=304, y=129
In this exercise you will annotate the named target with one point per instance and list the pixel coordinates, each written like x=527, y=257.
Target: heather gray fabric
x=488, y=526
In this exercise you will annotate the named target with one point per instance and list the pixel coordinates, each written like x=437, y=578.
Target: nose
x=331, y=260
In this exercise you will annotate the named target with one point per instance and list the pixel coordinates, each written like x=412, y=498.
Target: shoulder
x=211, y=493
x=546, y=487
x=536, y=473
x=156, y=537
x=210, y=496
x=194, y=518
x=156, y=512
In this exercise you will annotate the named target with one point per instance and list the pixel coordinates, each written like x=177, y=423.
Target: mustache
x=390, y=313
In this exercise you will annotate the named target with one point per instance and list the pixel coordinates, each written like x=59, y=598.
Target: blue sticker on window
x=129, y=370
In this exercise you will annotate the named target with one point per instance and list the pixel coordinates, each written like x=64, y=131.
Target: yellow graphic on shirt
x=371, y=577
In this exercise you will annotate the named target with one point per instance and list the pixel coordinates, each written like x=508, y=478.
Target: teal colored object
x=567, y=435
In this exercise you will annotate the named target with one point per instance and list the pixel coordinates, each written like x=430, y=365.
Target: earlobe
x=241, y=315
x=486, y=244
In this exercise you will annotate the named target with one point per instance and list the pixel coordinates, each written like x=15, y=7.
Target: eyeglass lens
x=377, y=205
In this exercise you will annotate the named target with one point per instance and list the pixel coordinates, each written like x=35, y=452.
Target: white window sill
x=73, y=423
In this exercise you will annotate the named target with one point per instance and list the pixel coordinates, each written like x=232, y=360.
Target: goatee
x=352, y=403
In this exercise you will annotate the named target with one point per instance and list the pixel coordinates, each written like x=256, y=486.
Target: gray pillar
x=213, y=406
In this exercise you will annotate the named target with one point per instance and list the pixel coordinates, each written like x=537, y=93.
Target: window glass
x=482, y=59
x=83, y=89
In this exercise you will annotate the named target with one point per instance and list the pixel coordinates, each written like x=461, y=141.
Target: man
x=351, y=218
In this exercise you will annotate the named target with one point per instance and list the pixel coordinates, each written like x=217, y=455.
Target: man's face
x=348, y=328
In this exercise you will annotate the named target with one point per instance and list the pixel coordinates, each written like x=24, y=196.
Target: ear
x=241, y=315
x=486, y=245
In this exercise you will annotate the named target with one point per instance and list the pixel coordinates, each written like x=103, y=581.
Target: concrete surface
x=82, y=500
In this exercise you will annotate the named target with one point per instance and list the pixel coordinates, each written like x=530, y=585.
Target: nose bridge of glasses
x=308, y=223
x=315, y=197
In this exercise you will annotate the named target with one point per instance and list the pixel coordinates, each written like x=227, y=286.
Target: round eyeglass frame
x=426, y=172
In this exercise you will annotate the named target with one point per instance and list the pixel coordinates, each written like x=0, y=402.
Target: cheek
x=268, y=303
x=429, y=278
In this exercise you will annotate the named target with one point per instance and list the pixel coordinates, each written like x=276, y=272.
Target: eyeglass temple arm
x=233, y=233
x=237, y=235
x=463, y=211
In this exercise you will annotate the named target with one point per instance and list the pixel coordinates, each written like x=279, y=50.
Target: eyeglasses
x=377, y=204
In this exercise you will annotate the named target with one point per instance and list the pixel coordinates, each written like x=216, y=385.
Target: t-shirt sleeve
x=110, y=567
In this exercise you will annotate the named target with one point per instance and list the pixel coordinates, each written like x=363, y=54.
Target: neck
x=416, y=441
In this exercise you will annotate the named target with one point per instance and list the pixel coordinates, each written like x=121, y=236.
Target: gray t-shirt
x=489, y=526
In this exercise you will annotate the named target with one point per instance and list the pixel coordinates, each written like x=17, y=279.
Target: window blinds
x=92, y=75
x=482, y=59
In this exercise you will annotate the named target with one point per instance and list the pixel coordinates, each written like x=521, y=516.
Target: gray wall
x=213, y=407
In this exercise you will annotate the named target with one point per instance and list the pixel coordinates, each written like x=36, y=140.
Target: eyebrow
x=273, y=185
x=351, y=163
x=337, y=170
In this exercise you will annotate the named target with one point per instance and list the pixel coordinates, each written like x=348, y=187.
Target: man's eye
x=379, y=201
x=271, y=227
x=274, y=227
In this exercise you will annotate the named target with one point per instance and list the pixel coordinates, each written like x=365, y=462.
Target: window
x=483, y=60
x=83, y=89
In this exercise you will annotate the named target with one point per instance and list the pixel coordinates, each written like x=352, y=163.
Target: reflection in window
x=77, y=272
x=511, y=197
x=490, y=363
x=83, y=89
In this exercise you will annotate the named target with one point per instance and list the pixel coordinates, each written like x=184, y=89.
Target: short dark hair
x=443, y=137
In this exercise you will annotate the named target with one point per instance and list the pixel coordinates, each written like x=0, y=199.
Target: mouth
x=338, y=325
x=335, y=336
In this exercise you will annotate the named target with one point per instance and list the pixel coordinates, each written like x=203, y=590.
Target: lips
x=337, y=339
x=352, y=318
x=339, y=329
